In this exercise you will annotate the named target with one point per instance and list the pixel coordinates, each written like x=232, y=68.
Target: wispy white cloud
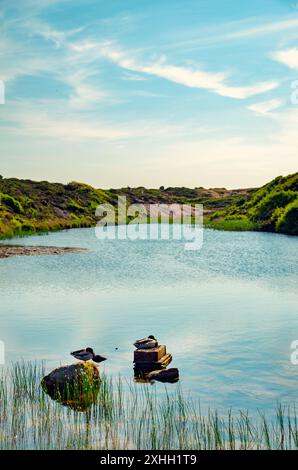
x=190, y=77
x=66, y=65
x=44, y=30
x=288, y=57
x=232, y=31
x=264, y=28
x=214, y=82
x=84, y=90
x=83, y=94
x=265, y=108
x=50, y=120
x=27, y=63
x=177, y=148
x=133, y=77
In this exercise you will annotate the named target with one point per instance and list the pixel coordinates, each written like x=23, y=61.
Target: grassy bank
x=241, y=224
x=29, y=207
x=133, y=419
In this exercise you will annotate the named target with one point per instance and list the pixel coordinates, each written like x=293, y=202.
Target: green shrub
x=16, y=224
x=291, y=183
x=277, y=213
x=74, y=206
x=26, y=202
x=27, y=227
x=236, y=217
x=12, y=203
x=215, y=215
x=256, y=198
x=288, y=219
x=265, y=208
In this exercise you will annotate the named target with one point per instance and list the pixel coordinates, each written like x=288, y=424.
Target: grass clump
x=231, y=223
x=130, y=417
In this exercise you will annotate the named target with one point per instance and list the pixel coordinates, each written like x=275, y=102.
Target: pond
x=227, y=313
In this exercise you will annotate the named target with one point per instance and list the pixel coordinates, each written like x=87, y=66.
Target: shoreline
x=8, y=251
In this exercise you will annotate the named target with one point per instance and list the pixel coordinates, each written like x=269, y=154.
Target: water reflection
x=227, y=312
x=164, y=375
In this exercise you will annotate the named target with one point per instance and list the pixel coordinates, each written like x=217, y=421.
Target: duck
x=146, y=343
x=87, y=354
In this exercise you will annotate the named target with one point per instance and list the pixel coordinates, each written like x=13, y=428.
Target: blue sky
x=167, y=92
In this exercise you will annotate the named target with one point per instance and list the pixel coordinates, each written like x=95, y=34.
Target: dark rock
x=142, y=367
x=150, y=355
x=75, y=385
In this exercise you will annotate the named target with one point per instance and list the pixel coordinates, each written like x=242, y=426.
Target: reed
x=129, y=416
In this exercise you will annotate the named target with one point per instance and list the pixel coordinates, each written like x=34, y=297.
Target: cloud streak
x=236, y=31
x=186, y=76
x=288, y=57
x=265, y=108
x=266, y=28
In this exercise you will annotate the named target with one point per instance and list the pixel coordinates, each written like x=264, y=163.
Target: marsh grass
x=231, y=225
x=130, y=417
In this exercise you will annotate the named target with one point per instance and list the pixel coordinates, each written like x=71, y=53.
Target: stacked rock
x=147, y=360
x=151, y=360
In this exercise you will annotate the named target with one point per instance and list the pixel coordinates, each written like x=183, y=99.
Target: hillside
x=28, y=206
x=271, y=208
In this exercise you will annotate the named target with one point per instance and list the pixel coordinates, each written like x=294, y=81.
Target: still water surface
x=228, y=313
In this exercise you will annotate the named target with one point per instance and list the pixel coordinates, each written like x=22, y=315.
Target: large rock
x=75, y=385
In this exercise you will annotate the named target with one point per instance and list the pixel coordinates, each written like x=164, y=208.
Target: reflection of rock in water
x=165, y=375
x=150, y=364
x=76, y=385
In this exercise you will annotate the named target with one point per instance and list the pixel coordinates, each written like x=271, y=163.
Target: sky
x=149, y=93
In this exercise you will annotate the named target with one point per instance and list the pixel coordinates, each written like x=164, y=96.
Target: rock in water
x=76, y=385
x=146, y=360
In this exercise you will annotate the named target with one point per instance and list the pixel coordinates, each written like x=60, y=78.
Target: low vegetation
x=130, y=416
x=271, y=208
x=28, y=207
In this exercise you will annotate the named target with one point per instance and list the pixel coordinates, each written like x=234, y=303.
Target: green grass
x=134, y=417
x=231, y=225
